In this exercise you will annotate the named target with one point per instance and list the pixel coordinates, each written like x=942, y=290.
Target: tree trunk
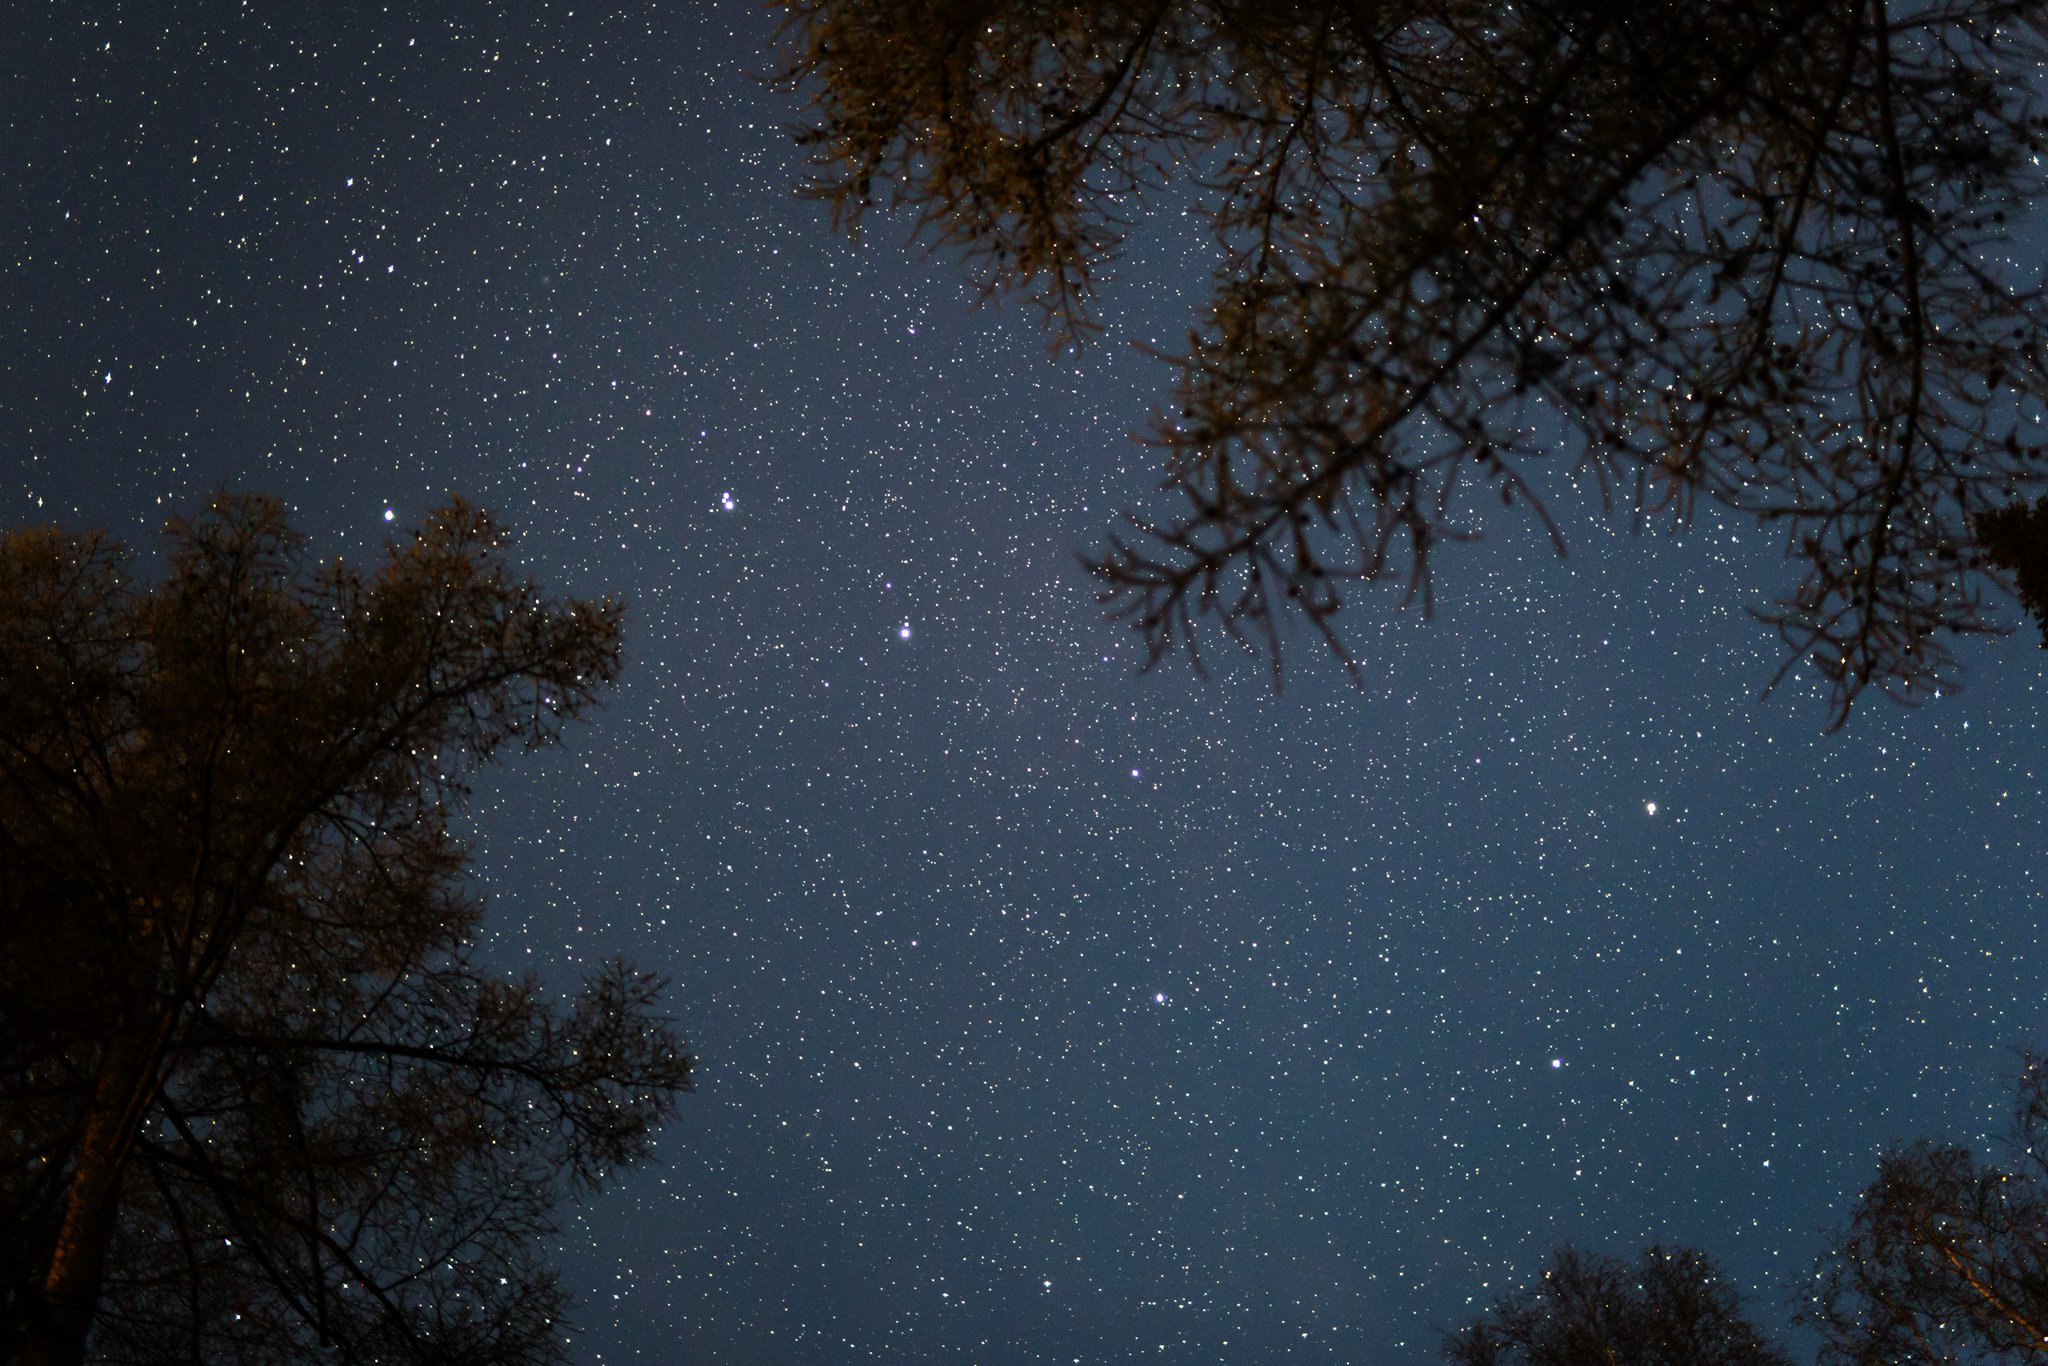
x=61, y=1315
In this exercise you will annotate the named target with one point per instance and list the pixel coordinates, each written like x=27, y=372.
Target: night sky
x=1047, y=1010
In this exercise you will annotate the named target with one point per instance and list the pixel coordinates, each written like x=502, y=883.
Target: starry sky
x=1048, y=1010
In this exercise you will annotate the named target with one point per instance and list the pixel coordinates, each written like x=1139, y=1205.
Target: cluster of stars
x=618, y=328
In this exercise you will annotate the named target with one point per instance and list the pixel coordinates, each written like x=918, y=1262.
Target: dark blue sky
x=1047, y=1011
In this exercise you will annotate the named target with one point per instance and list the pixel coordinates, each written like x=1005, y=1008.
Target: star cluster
x=1048, y=1009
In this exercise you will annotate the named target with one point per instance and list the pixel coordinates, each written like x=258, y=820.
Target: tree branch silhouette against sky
x=1045, y=1007
x=1465, y=254
x=261, y=1102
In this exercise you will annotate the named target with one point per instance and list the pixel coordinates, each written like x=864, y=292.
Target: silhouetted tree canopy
x=1747, y=251
x=1946, y=1257
x=1670, y=1309
x=1943, y=1262
x=258, y=1099
x=2015, y=538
